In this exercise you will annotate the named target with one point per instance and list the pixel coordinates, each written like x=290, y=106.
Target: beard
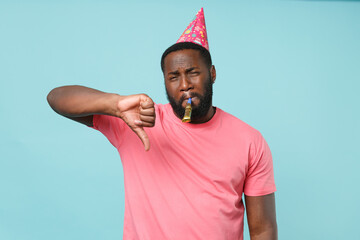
x=199, y=111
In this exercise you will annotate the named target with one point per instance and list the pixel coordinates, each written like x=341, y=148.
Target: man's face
x=186, y=75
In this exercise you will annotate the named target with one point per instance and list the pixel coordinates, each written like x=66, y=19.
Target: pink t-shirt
x=189, y=185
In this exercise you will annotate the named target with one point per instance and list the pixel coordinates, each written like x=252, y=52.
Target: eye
x=173, y=78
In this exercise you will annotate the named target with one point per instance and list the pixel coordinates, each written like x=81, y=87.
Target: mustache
x=184, y=96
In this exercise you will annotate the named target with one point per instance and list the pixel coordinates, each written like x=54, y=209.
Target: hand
x=138, y=111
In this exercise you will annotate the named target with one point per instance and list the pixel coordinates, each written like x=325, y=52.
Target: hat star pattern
x=196, y=31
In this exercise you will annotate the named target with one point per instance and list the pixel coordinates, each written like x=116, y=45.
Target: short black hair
x=204, y=53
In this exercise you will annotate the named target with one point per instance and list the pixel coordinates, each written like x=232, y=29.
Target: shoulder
x=162, y=107
x=163, y=110
x=101, y=121
x=238, y=125
x=243, y=132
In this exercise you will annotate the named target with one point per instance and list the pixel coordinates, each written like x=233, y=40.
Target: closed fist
x=138, y=111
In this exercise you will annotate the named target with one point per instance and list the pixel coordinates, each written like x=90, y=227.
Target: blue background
x=291, y=69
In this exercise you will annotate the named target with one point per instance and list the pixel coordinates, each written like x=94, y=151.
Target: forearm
x=261, y=216
x=268, y=234
x=79, y=101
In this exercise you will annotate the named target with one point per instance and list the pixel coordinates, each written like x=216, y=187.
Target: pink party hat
x=196, y=31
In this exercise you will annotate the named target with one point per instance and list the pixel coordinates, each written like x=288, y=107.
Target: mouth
x=193, y=101
x=186, y=96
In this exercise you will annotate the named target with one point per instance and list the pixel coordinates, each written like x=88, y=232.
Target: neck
x=207, y=117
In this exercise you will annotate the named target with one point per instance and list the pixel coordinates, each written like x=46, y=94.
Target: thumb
x=143, y=137
x=146, y=102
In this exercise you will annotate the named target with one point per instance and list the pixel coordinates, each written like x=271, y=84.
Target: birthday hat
x=196, y=31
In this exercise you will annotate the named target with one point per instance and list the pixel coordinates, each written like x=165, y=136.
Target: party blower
x=188, y=109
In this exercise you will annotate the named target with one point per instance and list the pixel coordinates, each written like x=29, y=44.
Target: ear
x=213, y=74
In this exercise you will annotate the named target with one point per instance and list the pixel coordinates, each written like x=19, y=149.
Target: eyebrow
x=177, y=72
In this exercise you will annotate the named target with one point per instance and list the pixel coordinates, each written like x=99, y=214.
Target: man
x=189, y=180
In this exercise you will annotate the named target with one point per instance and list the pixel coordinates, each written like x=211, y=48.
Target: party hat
x=196, y=31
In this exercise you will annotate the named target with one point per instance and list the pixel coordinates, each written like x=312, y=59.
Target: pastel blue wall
x=289, y=68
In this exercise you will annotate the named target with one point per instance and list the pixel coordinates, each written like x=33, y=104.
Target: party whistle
x=188, y=109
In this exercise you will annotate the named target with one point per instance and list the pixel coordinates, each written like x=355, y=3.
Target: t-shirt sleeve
x=111, y=127
x=260, y=175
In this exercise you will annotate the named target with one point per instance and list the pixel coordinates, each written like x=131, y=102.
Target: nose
x=185, y=84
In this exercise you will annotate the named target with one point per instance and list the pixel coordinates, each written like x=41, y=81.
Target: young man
x=189, y=182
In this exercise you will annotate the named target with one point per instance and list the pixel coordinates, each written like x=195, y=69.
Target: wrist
x=111, y=104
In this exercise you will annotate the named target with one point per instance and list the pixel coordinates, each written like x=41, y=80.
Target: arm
x=261, y=216
x=81, y=103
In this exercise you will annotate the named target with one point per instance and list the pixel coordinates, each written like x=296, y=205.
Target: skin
x=184, y=74
x=261, y=216
x=81, y=103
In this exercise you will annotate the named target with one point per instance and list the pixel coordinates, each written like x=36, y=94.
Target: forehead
x=186, y=58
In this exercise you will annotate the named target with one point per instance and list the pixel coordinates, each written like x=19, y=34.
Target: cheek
x=171, y=89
